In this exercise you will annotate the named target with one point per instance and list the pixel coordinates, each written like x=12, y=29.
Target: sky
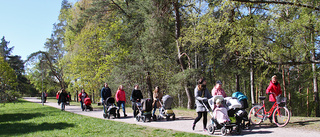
x=26, y=24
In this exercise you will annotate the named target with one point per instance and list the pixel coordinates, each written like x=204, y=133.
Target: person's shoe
x=125, y=115
x=205, y=130
x=193, y=126
x=270, y=119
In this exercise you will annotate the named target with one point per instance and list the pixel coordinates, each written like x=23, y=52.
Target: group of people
x=202, y=94
x=136, y=96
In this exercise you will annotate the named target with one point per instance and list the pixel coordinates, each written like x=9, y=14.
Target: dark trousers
x=122, y=104
x=200, y=114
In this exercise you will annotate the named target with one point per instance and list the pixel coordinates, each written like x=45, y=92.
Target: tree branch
x=278, y=2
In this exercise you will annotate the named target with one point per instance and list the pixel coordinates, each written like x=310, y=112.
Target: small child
x=220, y=113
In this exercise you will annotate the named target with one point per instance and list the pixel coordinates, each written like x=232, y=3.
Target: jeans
x=104, y=106
x=154, y=108
x=122, y=104
x=63, y=105
x=81, y=104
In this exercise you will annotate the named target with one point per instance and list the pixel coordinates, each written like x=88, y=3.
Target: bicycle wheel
x=256, y=115
x=281, y=116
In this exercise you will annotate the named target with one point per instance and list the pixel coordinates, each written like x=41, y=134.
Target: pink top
x=220, y=91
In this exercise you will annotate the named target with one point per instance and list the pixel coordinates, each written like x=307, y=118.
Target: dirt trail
x=184, y=124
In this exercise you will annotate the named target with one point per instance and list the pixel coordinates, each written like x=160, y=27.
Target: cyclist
x=273, y=90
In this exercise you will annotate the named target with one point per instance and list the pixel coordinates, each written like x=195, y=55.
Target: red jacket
x=80, y=95
x=273, y=88
x=121, y=95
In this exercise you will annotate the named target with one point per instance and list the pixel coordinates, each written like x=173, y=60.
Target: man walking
x=105, y=93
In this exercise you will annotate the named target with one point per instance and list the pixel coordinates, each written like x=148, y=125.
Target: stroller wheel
x=167, y=118
x=224, y=131
x=138, y=118
x=114, y=115
x=238, y=130
x=143, y=119
x=211, y=129
x=154, y=118
x=249, y=126
x=104, y=115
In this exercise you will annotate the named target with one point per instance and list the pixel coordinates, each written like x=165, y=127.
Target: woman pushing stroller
x=136, y=97
x=201, y=94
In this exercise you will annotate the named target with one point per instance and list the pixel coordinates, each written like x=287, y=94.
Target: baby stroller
x=110, y=108
x=87, y=104
x=235, y=109
x=220, y=119
x=145, y=108
x=165, y=109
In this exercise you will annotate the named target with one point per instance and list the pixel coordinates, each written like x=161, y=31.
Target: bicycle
x=279, y=112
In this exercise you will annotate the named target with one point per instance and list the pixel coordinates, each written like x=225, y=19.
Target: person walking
x=202, y=95
x=63, y=98
x=82, y=95
x=157, y=96
x=105, y=93
x=136, y=96
x=121, y=100
x=217, y=90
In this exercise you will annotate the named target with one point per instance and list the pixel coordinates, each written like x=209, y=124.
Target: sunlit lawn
x=32, y=119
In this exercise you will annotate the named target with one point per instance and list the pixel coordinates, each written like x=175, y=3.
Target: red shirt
x=273, y=88
x=121, y=95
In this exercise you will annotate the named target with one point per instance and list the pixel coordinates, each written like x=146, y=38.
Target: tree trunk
x=315, y=87
x=252, y=83
x=308, y=108
x=283, y=81
x=183, y=67
x=149, y=86
x=237, y=82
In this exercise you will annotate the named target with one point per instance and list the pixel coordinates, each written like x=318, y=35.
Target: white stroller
x=220, y=119
x=166, y=110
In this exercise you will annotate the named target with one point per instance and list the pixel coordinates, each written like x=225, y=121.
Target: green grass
x=32, y=119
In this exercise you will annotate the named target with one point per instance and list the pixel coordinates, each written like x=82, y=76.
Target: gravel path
x=184, y=124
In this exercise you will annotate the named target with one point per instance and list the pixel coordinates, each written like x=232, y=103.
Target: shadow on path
x=304, y=123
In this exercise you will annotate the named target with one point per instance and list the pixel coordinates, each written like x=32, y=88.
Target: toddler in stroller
x=87, y=104
x=145, y=108
x=110, y=109
x=220, y=119
x=165, y=109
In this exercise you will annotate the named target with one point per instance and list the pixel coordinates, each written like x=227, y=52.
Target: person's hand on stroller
x=205, y=100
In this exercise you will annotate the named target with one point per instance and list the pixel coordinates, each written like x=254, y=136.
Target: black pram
x=110, y=108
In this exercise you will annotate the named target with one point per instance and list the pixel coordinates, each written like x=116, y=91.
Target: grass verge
x=32, y=119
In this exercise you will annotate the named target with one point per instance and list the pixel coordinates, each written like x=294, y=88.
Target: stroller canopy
x=110, y=100
x=167, y=101
x=87, y=101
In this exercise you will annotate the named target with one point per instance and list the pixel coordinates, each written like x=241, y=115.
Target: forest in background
x=172, y=43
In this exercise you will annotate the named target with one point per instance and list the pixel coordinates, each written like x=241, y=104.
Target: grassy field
x=31, y=119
